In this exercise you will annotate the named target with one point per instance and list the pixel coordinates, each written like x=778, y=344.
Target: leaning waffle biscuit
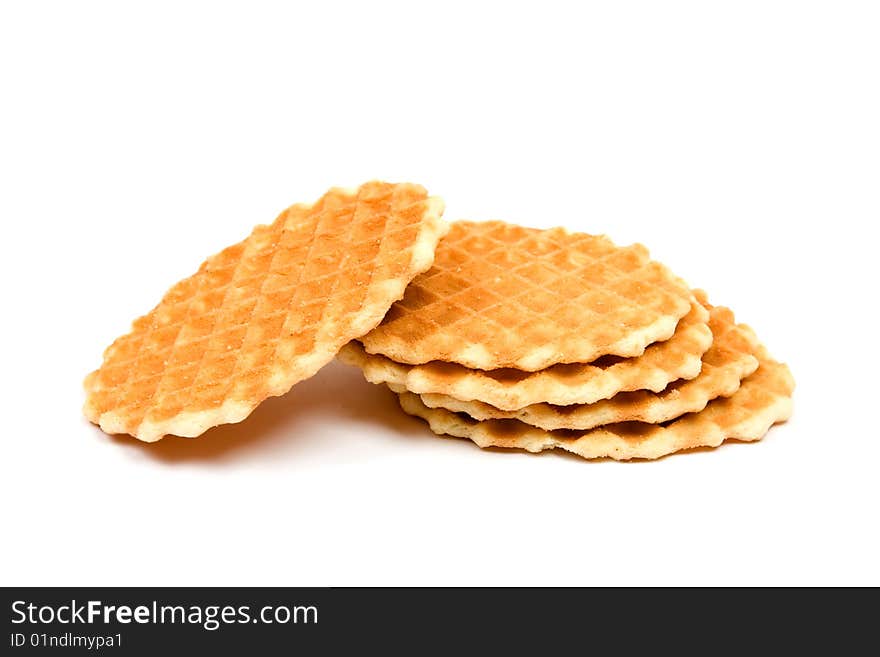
x=265, y=313
x=680, y=357
x=725, y=364
x=763, y=399
x=504, y=296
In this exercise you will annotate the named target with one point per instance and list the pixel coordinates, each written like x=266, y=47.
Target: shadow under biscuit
x=295, y=424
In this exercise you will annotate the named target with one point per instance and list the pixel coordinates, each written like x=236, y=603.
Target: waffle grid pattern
x=265, y=313
x=729, y=360
x=504, y=296
x=679, y=357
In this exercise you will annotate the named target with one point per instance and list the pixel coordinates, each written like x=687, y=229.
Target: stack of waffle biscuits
x=542, y=339
x=510, y=336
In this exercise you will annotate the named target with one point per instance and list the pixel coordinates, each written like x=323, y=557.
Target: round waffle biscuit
x=265, y=313
x=504, y=296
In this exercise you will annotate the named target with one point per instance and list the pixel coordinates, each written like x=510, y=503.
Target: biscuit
x=504, y=296
x=763, y=399
x=679, y=357
x=729, y=360
x=265, y=313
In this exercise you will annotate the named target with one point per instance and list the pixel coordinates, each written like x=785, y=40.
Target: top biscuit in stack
x=505, y=296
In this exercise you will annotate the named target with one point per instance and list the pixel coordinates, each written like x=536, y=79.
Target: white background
x=739, y=141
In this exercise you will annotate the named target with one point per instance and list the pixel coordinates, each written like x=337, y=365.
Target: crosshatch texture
x=679, y=357
x=504, y=296
x=729, y=360
x=265, y=313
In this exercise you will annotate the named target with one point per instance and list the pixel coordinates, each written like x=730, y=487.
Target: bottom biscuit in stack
x=763, y=399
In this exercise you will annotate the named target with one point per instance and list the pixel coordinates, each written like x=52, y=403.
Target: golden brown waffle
x=265, y=313
x=725, y=364
x=504, y=296
x=680, y=357
x=763, y=399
